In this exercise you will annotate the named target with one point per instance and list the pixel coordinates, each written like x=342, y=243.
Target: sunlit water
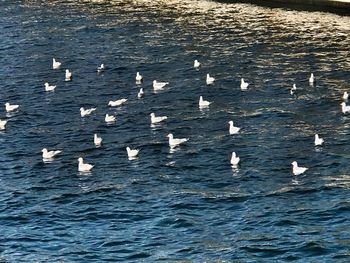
x=187, y=205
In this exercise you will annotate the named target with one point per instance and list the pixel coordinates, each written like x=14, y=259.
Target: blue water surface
x=186, y=204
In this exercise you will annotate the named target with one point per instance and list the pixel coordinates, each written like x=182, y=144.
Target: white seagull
x=175, y=142
x=244, y=85
x=10, y=107
x=203, y=103
x=56, y=64
x=345, y=96
x=69, y=75
x=132, y=153
x=234, y=159
x=85, y=112
x=141, y=93
x=97, y=140
x=209, y=80
x=49, y=154
x=293, y=89
x=117, y=102
x=196, y=64
x=49, y=88
x=312, y=79
x=318, y=141
x=138, y=77
x=159, y=85
x=101, y=68
x=158, y=119
x=233, y=129
x=3, y=124
x=109, y=118
x=345, y=108
x=84, y=167
x=298, y=170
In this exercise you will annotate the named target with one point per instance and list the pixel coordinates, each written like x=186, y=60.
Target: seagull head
x=230, y=122
x=294, y=163
x=170, y=135
x=7, y=104
x=80, y=159
x=128, y=149
x=44, y=150
x=152, y=114
x=233, y=154
x=46, y=84
x=343, y=103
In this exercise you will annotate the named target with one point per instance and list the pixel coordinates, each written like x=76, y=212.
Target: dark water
x=188, y=205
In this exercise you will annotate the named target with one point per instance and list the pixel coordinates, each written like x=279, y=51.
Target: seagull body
x=298, y=170
x=234, y=159
x=117, y=102
x=141, y=93
x=10, y=107
x=3, y=124
x=312, y=78
x=233, y=129
x=345, y=108
x=175, y=142
x=159, y=85
x=196, y=64
x=158, y=119
x=132, y=153
x=69, y=75
x=49, y=154
x=138, y=77
x=49, y=88
x=97, y=140
x=345, y=96
x=56, y=64
x=209, y=80
x=293, y=89
x=109, y=118
x=101, y=68
x=203, y=103
x=318, y=141
x=84, y=167
x=84, y=112
x=244, y=85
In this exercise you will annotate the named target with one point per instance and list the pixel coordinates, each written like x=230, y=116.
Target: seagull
x=312, y=79
x=10, y=107
x=84, y=167
x=210, y=80
x=101, y=68
x=56, y=64
x=345, y=108
x=203, y=103
x=68, y=75
x=159, y=85
x=49, y=154
x=86, y=112
x=175, y=142
x=141, y=93
x=318, y=141
x=117, y=102
x=293, y=89
x=155, y=119
x=132, y=153
x=233, y=129
x=298, y=170
x=244, y=85
x=49, y=88
x=234, y=159
x=345, y=96
x=97, y=140
x=109, y=118
x=3, y=124
x=138, y=77
x=196, y=64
